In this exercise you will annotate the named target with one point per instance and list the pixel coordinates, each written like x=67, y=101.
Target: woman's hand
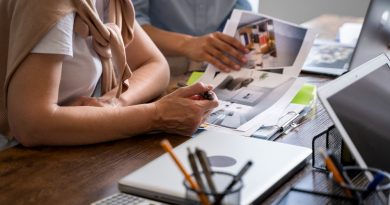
x=221, y=50
x=182, y=111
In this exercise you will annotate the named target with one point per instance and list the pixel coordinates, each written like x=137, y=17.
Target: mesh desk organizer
x=319, y=187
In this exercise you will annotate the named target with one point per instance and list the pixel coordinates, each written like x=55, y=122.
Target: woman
x=61, y=54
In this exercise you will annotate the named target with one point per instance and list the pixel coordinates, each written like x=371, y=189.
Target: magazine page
x=259, y=93
x=248, y=98
x=274, y=44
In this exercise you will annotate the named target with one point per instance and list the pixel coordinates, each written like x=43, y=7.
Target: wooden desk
x=83, y=174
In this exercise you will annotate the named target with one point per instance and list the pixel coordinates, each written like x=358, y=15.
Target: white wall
x=255, y=4
x=299, y=11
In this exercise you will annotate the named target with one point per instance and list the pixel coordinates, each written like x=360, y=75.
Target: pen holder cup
x=330, y=140
x=221, y=181
x=358, y=186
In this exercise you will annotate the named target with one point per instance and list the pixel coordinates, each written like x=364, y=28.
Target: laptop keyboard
x=125, y=199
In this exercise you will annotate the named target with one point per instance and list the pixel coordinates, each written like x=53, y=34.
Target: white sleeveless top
x=81, y=68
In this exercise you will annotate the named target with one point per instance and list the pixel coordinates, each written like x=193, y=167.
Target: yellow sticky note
x=305, y=95
x=194, y=77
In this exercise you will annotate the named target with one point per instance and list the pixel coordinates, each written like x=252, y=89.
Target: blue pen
x=373, y=184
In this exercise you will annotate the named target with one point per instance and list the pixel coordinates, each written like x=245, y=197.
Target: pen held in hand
x=206, y=95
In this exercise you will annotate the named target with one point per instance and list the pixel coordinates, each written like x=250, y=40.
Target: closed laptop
x=273, y=163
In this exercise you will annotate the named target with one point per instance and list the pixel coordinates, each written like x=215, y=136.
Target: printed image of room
x=259, y=38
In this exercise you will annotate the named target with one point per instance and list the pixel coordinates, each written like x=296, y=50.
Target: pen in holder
x=336, y=179
x=214, y=187
x=221, y=181
x=364, y=181
x=372, y=186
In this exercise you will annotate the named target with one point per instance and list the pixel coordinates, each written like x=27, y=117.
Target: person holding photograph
x=192, y=29
x=83, y=72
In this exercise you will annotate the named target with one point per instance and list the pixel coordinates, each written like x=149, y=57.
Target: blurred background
x=299, y=11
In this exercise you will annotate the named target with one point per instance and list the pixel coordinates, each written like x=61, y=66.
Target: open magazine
x=264, y=87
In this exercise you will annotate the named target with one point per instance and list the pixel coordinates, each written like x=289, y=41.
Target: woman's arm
x=150, y=71
x=36, y=119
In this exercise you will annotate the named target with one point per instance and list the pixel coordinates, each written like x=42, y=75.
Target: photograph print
x=272, y=44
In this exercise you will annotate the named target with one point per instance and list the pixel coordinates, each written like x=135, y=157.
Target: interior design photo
x=273, y=44
x=259, y=39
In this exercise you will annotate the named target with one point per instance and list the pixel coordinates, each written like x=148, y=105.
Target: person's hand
x=223, y=51
x=182, y=111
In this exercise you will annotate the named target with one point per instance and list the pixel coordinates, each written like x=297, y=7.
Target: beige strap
x=109, y=40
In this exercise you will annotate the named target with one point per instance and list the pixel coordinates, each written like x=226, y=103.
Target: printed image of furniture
x=259, y=39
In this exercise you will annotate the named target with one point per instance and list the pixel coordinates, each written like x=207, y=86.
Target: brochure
x=274, y=44
x=263, y=88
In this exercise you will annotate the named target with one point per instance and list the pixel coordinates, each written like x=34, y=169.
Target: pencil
x=333, y=169
x=168, y=148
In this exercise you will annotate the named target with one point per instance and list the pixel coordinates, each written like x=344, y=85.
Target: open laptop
x=337, y=59
x=328, y=57
x=359, y=105
x=374, y=38
x=273, y=163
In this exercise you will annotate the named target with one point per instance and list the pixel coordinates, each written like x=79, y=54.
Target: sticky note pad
x=305, y=95
x=194, y=77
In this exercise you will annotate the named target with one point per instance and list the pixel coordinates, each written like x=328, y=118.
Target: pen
x=373, y=184
x=168, y=148
x=341, y=171
x=206, y=95
x=195, y=170
x=339, y=167
x=333, y=169
x=236, y=179
x=204, y=162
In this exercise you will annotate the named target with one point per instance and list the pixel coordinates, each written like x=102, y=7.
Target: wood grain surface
x=73, y=175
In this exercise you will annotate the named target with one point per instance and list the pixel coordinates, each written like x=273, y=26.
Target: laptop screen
x=363, y=109
x=375, y=35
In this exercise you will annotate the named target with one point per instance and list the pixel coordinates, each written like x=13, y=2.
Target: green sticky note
x=305, y=95
x=194, y=77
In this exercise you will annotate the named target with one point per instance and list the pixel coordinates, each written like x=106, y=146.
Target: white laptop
x=273, y=163
x=359, y=105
